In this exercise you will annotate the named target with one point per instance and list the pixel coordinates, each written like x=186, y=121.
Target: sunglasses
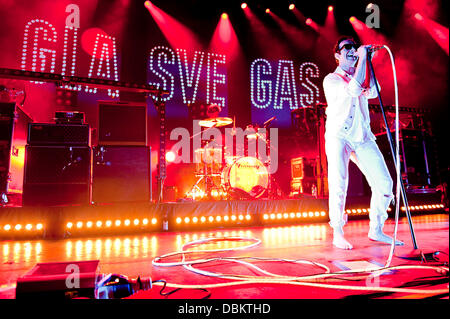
x=349, y=46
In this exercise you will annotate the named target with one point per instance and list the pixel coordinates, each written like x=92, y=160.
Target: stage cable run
x=397, y=159
x=318, y=280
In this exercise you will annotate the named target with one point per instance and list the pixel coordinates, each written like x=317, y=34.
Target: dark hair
x=338, y=43
x=341, y=39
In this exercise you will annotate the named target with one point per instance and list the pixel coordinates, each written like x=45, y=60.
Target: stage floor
x=132, y=255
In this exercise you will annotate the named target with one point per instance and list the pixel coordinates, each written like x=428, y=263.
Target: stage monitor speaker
x=56, y=175
x=58, y=134
x=59, y=280
x=121, y=174
x=122, y=123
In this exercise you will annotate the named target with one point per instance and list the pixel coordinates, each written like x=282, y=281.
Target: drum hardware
x=215, y=122
x=226, y=176
x=209, y=161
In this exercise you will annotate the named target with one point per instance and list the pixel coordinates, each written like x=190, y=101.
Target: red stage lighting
x=312, y=24
x=418, y=16
x=352, y=19
x=224, y=39
x=438, y=32
x=170, y=156
x=267, y=10
x=175, y=32
x=243, y=5
x=330, y=8
x=291, y=6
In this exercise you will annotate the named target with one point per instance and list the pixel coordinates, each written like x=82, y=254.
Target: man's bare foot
x=377, y=234
x=339, y=240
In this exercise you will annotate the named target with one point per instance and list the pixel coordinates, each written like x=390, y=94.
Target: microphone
x=375, y=47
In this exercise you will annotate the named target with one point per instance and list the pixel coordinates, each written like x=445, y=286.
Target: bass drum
x=246, y=176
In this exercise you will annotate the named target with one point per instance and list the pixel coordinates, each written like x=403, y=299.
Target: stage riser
x=163, y=217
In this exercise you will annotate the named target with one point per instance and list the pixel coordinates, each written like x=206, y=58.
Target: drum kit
x=222, y=175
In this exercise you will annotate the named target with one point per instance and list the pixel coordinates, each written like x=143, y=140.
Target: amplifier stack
x=121, y=168
x=57, y=164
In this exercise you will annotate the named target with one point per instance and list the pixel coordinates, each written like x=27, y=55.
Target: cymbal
x=216, y=122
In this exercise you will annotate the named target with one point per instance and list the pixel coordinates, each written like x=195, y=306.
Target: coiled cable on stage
x=313, y=280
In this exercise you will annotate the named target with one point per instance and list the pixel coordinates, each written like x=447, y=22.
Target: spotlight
x=224, y=16
x=147, y=4
x=267, y=10
x=291, y=6
x=308, y=21
x=330, y=8
x=170, y=156
x=418, y=16
x=352, y=19
x=243, y=5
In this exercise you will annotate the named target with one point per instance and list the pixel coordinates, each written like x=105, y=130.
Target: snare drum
x=247, y=174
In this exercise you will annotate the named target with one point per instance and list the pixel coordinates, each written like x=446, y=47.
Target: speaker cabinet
x=56, y=175
x=13, y=138
x=121, y=174
x=122, y=123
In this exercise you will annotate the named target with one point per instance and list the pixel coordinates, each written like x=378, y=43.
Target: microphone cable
x=397, y=159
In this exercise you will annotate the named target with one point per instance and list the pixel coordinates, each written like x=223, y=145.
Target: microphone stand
x=392, y=146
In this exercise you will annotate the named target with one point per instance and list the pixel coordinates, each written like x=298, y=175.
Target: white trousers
x=370, y=161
